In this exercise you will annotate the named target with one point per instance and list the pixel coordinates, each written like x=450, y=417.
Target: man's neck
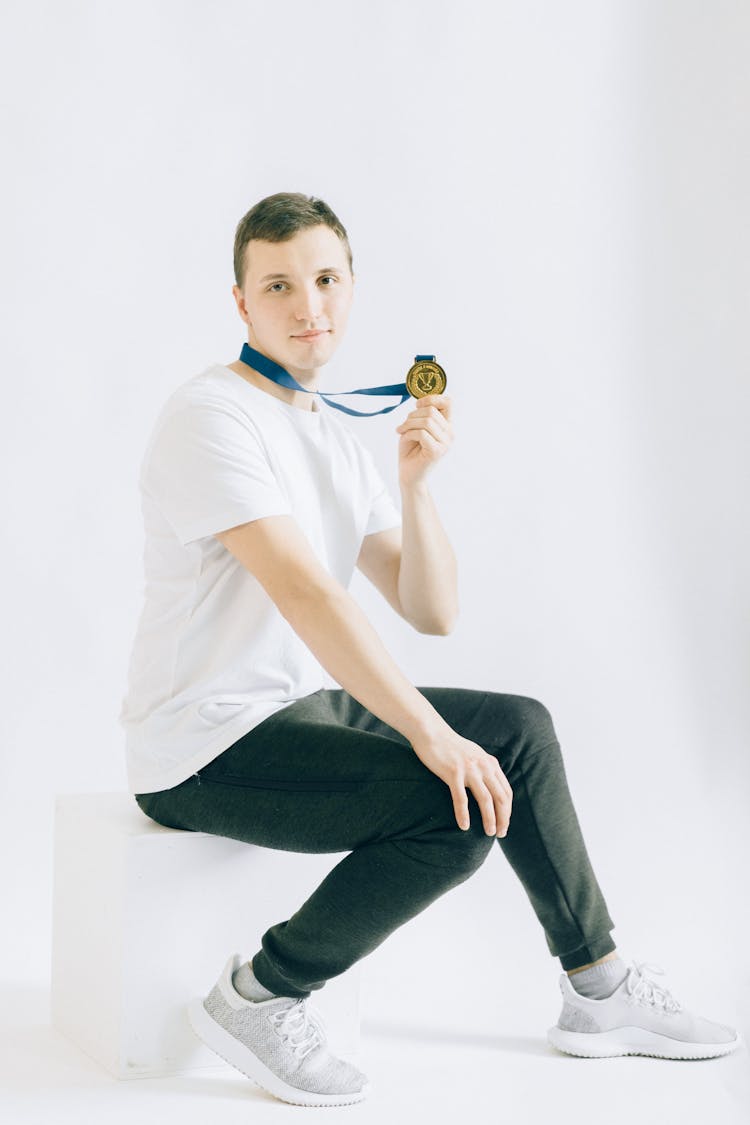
x=287, y=394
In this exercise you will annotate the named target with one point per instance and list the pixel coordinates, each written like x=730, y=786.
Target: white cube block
x=145, y=917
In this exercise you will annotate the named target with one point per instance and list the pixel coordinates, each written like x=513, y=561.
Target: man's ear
x=240, y=302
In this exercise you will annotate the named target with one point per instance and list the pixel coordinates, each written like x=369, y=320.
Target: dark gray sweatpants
x=325, y=775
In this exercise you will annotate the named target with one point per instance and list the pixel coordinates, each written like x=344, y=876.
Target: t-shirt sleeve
x=384, y=512
x=207, y=470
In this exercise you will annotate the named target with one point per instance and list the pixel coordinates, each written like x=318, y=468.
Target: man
x=257, y=507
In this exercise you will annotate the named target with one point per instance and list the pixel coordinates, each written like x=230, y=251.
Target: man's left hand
x=426, y=435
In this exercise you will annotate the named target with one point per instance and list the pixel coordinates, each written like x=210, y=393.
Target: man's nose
x=309, y=305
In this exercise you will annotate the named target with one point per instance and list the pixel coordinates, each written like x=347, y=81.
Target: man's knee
x=527, y=718
x=533, y=714
x=524, y=727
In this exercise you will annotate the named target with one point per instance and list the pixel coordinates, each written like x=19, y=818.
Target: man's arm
x=413, y=566
x=330, y=622
x=428, y=574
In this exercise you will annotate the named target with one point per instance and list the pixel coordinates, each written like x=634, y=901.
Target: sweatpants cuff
x=587, y=953
x=270, y=979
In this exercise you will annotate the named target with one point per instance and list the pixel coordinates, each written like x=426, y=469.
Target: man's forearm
x=427, y=581
x=336, y=630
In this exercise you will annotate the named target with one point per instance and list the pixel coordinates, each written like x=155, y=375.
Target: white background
x=550, y=197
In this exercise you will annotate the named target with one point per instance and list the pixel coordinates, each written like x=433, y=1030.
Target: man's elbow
x=436, y=628
x=445, y=628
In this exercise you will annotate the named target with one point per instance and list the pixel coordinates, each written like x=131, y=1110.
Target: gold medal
x=425, y=377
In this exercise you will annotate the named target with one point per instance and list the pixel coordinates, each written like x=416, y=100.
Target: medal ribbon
x=280, y=375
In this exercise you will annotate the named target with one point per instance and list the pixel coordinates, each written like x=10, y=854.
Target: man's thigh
x=303, y=780
x=503, y=724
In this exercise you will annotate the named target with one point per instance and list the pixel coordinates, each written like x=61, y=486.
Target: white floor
x=476, y=1059
x=455, y=1009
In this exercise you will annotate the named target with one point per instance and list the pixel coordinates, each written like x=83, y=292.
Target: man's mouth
x=310, y=335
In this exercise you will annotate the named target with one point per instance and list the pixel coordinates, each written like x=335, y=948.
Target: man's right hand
x=462, y=765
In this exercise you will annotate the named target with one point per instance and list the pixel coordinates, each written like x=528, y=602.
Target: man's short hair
x=277, y=218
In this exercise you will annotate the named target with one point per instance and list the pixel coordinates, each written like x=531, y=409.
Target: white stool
x=145, y=917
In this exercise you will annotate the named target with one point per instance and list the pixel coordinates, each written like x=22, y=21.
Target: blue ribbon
x=280, y=375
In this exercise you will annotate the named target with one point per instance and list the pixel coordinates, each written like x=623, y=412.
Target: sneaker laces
x=297, y=1020
x=649, y=992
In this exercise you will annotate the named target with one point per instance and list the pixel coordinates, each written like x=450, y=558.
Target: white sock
x=600, y=981
x=248, y=985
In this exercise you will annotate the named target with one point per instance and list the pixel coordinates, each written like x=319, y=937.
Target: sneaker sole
x=634, y=1041
x=240, y=1056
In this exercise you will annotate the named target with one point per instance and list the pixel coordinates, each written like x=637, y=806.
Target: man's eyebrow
x=285, y=276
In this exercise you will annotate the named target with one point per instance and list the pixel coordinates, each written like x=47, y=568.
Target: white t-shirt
x=212, y=655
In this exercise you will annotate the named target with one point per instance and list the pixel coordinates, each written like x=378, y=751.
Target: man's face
x=314, y=292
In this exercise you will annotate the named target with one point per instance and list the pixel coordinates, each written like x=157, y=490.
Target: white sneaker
x=279, y=1043
x=639, y=1018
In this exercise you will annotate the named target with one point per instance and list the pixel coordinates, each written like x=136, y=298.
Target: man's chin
x=317, y=357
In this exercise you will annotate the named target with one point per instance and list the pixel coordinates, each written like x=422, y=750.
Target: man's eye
x=328, y=276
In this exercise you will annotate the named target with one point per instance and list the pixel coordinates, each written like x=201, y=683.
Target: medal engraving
x=425, y=377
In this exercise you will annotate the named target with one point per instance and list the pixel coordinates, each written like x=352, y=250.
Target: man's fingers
x=486, y=805
x=493, y=795
x=500, y=779
x=504, y=808
x=496, y=806
x=461, y=806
